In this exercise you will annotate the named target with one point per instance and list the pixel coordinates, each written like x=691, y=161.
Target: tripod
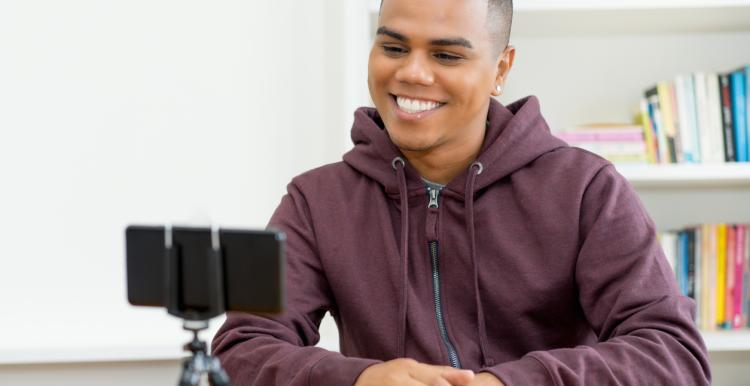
x=200, y=362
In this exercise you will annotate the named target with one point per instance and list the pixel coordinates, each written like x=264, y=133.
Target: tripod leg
x=217, y=375
x=190, y=375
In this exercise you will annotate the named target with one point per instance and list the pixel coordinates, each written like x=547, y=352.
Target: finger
x=427, y=374
x=457, y=377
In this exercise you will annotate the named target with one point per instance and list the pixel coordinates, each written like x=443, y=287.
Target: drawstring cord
x=398, y=164
x=474, y=170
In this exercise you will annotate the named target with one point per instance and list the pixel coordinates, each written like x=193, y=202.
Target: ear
x=504, y=65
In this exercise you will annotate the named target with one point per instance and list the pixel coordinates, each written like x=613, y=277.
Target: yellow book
x=721, y=272
x=711, y=295
x=666, y=105
x=648, y=133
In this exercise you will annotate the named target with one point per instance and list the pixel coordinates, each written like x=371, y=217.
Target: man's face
x=432, y=71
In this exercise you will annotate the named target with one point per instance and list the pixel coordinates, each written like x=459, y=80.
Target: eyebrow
x=435, y=42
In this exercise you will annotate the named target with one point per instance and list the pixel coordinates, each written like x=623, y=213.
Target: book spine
x=686, y=141
x=729, y=291
x=648, y=132
x=702, y=118
x=721, y=273
x=681, y=263
x=739, y=114
x=656, y=122
x=690, y=256
x=666, y=110
x=715, y=123
x=726, y=115
x=692, y=118
x=746, y=280
x=699, y=274
x=739, y=260
x=712, y=274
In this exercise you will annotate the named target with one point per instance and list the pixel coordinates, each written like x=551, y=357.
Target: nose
x=415, y=69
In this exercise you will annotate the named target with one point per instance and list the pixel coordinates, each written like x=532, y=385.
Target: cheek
x=469, y=88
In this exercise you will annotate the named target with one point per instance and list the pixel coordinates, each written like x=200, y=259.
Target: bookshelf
x=565, y=53
x=731, y=175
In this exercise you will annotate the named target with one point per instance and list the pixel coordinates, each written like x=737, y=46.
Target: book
x=686, y=118
x=726, y=115
x=655, y=114
x=699, y=274
x=648, y=133
x=683, y=263
x=746, y=280
x=712, y=274
x=729, y=291
x=692, y=117
x=739, y=272
x=715, y=137
x=666, y=107
x=737, y=86
x=701, y=114
x=668, y=241
x=721, y=273
x=691, y=260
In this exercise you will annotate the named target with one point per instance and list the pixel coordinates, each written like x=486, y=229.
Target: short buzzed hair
x=499, y=20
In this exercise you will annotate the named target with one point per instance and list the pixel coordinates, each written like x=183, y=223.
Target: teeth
x=413, y=106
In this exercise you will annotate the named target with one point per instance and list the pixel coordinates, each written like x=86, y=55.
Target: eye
x=393, y=50
x=446, y=57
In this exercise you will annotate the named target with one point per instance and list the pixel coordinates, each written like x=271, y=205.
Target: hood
x=516, y=135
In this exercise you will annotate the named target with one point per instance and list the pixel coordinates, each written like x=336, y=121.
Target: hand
x=408, y=372
x=485, y=379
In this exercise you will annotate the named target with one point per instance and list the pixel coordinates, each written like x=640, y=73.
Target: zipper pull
x=433, y=197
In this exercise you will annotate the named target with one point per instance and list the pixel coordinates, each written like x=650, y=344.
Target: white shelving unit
x=590, y=61
x=686, y=176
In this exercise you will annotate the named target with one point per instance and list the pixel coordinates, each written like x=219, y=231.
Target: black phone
x=166, y=264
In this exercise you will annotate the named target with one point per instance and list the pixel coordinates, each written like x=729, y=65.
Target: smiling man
x=460, y=243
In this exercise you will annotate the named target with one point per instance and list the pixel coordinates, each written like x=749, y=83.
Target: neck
x=442, y=163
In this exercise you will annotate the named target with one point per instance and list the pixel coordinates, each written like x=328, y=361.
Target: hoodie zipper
x=433, y=244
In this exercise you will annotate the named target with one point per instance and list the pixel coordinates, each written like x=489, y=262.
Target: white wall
x=118, y=112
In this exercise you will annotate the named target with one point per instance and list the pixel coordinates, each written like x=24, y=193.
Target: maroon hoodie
x=538, y=264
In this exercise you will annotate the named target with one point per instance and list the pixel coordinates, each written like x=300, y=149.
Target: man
x=460, y=234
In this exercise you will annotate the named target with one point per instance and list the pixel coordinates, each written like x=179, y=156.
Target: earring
x=499, y=89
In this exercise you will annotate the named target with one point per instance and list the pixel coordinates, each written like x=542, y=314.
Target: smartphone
x=250, y=272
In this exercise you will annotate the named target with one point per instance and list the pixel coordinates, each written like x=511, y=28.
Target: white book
x=668, y=241
x=692, y=111
x=686, y=124
x=715, y=122
x=701, y=103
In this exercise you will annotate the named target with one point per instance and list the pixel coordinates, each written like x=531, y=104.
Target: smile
x=416, y=106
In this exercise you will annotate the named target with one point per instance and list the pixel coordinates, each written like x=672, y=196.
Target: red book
x=739, y=265
x=729, y=291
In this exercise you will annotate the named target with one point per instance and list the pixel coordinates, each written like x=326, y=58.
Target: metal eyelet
x=397, y=160
x=479, y=165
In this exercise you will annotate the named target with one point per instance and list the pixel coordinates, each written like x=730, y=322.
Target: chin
x=410, y=142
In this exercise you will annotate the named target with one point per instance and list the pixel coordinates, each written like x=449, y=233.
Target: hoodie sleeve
x=629, y=296
x=278, y=350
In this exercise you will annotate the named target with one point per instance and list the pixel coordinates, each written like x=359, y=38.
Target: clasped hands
x=408, y=372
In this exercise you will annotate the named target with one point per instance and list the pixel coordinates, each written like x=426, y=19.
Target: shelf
x=738, y=340
x=687, y=175
x=553, y=18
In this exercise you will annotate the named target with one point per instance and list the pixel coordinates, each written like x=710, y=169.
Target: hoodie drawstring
x=474, y=170
x=398, y=164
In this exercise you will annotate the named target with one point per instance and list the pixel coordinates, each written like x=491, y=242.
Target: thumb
x=457, y=377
